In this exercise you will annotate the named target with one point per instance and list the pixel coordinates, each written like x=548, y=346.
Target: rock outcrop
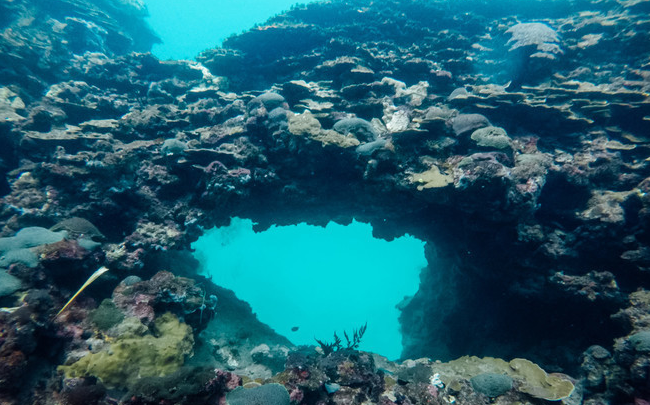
x=512, y=137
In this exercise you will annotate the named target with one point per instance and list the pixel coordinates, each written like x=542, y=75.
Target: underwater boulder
x=304, y=124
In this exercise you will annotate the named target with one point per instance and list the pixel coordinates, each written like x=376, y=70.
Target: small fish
x=295, y=329
x=92, y=278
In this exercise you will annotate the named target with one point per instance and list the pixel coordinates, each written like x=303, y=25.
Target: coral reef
x=512, y=139
x=133, y=355
x=529, y=377
x=272, y=394
x=40, y=43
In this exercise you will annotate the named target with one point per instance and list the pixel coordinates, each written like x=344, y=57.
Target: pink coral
x=296, y=395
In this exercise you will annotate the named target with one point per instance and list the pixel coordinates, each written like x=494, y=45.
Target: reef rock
x=513, y=140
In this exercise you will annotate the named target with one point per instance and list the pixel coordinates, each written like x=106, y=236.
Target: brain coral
x=491, y=137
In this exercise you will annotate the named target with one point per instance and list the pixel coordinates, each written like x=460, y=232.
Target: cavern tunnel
x=475, y=295
x=308, y=281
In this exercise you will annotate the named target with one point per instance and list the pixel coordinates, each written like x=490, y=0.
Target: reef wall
x=514, y=139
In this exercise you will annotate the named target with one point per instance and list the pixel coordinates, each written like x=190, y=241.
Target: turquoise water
x=189, y=27
x=319, y=280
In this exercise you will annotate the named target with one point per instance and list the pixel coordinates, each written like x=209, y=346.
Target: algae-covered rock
x=304, y=124
x=132, y=356
x=432, y=178
x=607, y=206
x=467, y=367
x=529, y=377
x=331, y=137
x=539, y=384
x=187, y=386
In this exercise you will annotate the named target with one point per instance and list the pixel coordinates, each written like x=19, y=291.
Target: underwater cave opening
x=308, y=281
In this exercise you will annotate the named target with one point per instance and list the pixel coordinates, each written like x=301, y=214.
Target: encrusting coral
x=530, y=378
x=134, y=354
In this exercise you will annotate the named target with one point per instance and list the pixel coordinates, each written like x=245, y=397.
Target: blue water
x=191, y=26
x=318, y=279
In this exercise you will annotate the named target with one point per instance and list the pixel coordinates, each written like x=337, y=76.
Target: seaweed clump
x=337, y=344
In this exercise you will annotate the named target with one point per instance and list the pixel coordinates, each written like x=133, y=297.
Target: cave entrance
x=308, y=281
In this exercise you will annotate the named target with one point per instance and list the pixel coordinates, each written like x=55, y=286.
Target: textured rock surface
x=40, y=41
x=334, y=111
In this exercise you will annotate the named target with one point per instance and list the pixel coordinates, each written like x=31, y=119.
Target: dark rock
x=535, y=241
x=465, y=123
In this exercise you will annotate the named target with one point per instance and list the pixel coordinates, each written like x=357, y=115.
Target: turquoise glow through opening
x=189, y=27
x=317, y=279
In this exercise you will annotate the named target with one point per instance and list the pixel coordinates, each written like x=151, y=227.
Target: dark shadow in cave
x=8, y=159
x=477, y=297
x=4, y=185
x=560, y=200
x=492, y=318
